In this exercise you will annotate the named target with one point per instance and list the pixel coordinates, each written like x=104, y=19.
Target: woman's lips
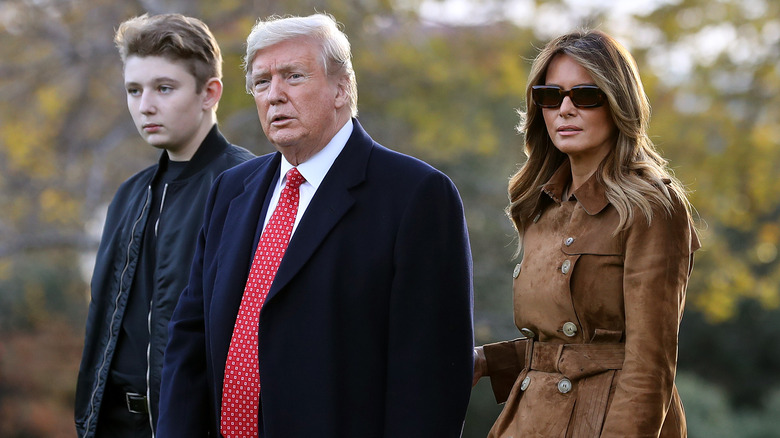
x=568, y=130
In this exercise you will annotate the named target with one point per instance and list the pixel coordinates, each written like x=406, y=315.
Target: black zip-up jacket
x=180, y=221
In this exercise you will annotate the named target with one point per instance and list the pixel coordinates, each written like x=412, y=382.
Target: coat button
x=524, y=384
x=566, y=266
x=516, y=272
x=570, y=329
x=564, y=386
x=528, y=333
x=568, y=241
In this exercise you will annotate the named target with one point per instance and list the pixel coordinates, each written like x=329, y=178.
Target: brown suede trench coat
x=600, y=314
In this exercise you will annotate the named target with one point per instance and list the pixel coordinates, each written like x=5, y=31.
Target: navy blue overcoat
x=367, y=329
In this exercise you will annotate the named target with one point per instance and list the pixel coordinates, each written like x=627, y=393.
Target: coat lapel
x=245, y=211
x=330, y=203
x=239, y=241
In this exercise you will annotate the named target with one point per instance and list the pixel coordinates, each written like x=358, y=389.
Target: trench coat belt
x=507, y=360
x=575, y=361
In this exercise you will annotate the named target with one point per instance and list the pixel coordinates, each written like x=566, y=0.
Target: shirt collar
x=317, y=166
x=592, y=194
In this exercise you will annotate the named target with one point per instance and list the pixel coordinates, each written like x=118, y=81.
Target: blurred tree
x=715, y=81
x=707, y=407
x=719, y=124
x=740, y=352
x=58, y=123
x=445, y=92
x=710, y=415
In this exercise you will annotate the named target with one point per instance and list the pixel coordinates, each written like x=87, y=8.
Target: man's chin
x=283, y=142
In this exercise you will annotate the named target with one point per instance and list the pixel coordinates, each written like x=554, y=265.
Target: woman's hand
x=480, y=365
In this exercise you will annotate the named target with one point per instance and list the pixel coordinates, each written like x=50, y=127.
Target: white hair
x=322, y=28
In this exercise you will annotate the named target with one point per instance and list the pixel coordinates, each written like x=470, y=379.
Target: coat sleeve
x=185, y=409
x=505, y=361
x=658, y=261
x=103, y=292
x=430, y=361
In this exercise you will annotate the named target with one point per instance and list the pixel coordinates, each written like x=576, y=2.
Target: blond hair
x=635, y=175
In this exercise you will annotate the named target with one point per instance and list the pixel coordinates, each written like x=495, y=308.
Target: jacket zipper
x=148, y=372
x=149, y=328
x=116, y=309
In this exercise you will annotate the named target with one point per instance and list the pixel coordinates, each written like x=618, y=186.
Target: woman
x=607, y=242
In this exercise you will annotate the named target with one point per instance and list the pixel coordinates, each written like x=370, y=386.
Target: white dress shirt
x=313, y=170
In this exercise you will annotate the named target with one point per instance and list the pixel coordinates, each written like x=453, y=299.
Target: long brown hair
x=633, y=171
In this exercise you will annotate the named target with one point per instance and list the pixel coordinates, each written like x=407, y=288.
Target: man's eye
x=165, y=89
x=133, y=91
x=260, y=84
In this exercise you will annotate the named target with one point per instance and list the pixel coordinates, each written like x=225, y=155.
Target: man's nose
x=277, y=91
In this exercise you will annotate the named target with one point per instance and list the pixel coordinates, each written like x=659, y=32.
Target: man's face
x=166, y=109
x=300, y=108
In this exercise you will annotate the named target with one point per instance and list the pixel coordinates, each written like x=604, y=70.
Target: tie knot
x=294, y=178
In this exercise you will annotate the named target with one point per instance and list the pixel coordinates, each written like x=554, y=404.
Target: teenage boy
x=172, y=75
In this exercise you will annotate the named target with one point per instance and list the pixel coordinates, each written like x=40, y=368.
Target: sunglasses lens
x=587, y=96
x=582, y=96
x=547, y=97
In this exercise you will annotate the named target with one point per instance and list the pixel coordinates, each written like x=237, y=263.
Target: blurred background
x=440, y=80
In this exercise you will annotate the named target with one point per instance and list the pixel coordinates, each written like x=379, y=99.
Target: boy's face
x=167, y=110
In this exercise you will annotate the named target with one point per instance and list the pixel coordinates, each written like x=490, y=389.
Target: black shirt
x=129, y=365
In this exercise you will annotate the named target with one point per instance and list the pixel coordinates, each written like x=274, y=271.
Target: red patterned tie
x=241, y=386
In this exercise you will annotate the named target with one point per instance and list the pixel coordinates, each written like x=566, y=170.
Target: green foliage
x=719, y=127
x=710, y=415
x=739, y=354
x=447, y=93
x=39, y=287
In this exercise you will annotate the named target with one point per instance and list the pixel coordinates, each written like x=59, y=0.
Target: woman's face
x=586, y=135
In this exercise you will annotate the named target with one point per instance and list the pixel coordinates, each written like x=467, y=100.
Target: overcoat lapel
x=330, y=203
x=239, y=242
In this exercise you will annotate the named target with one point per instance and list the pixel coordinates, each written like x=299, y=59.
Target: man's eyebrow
x=283, y=68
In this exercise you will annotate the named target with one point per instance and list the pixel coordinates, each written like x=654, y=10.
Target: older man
x=330, y=294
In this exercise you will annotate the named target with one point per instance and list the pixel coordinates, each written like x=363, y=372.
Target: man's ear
x=212, y=92
x=342, y=97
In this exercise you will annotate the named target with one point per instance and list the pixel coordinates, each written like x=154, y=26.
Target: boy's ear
x=212, y=92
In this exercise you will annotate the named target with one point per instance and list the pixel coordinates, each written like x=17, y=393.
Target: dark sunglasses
x=582, y=96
